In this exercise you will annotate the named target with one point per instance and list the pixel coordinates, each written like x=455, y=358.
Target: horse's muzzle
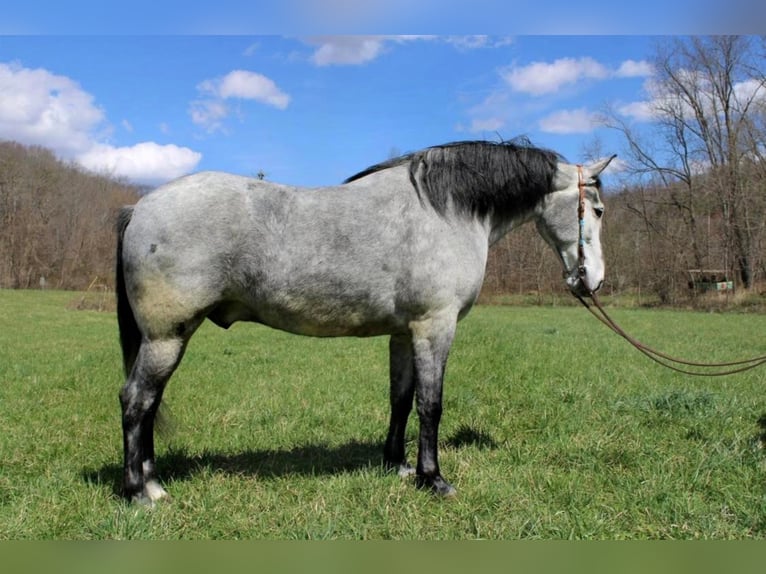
x=579, y=285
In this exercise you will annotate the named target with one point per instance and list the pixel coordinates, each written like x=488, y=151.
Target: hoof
x=403, y=469
x=154, y=491
x=149, y=495
x=141, y=500
x=437, y=485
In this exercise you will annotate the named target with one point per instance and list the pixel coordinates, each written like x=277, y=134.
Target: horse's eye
x=599, y=211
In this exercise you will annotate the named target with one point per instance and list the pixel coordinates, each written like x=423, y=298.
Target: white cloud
x=490, y=124
x=348, y=50
x=357, y=50
x=210, y=111
x=472, y=42
x=145, y=162
x=491, y=114
x=633, y=69
x=541, y=78
x=353, y=50
x=251, y=50
x=245, y=85
x=476, y=41
x=39, y=107
x=750, y=90
x=660, y=102
x=648, y=109
x=579, y=121
x=643, y=111
x=209, y=114
x=519, y=95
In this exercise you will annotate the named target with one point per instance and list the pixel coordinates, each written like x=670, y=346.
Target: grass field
x=553, y=428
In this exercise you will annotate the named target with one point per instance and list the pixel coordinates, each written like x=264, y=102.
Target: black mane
x=479, y=177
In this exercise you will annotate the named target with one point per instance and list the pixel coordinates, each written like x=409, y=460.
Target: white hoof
x=154, y=492
x=406, y=470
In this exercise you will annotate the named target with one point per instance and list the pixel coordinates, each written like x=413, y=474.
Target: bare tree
x=706, y=101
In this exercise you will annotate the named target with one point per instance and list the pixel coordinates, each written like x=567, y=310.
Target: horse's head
x=569, y=219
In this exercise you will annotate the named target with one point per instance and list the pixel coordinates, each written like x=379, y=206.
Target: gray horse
x=399, y=249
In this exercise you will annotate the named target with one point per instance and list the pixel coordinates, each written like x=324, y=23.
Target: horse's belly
x=346, y=325
x=313, y=316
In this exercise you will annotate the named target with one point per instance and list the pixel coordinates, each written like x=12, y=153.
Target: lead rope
x=663, y=359
x=668, y=360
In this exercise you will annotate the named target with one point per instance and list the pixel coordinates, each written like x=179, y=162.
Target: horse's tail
x=130, y=336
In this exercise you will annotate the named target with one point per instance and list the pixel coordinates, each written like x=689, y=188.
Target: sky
x=308, y=110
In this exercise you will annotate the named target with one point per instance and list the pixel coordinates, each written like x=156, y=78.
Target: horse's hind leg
x=140, y=399
x=402, y=371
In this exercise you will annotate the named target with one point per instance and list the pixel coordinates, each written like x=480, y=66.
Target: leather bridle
x=581, y=271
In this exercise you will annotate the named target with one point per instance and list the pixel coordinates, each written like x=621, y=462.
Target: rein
x=600, y=313
x=667, y=360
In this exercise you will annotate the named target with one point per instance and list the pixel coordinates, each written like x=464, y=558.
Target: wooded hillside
x=56, y=221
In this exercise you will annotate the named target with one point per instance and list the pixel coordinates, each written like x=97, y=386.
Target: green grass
x=553, y=428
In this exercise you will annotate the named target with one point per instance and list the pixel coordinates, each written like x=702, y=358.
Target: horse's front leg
x=431, y=342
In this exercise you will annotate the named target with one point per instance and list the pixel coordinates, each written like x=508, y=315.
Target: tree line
x=56, y=221
x=687, y=209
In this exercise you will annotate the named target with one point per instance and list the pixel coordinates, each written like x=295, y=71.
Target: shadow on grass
x=762, y=434
x=309, y=460
x=469, y=436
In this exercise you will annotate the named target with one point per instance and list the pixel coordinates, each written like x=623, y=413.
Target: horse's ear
x=593, y=170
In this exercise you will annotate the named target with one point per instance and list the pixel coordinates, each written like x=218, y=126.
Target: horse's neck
x=499, y=227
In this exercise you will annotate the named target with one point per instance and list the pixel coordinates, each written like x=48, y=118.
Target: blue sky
x=307, y=110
